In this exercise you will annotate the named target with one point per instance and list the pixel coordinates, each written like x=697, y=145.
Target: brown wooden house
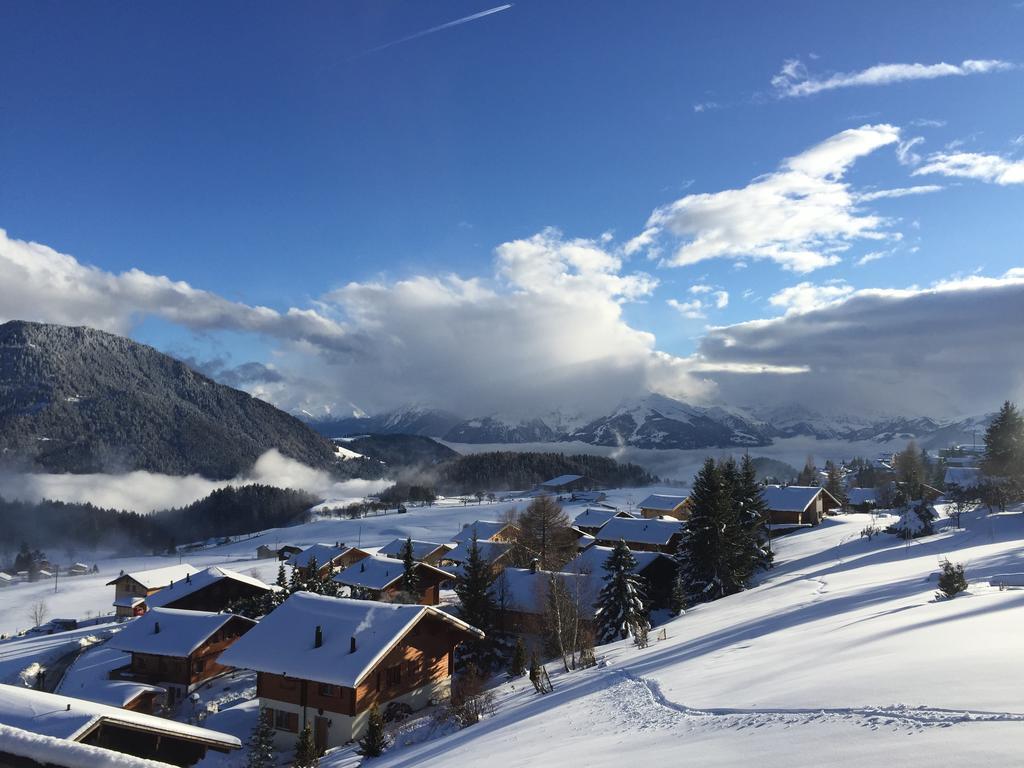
x=657, y=568
x=212, y=590
x=662, y=505
x=380, y=578
x=68, y=721
x=328, y=557
x=323, y=662
x=798, y=504
x=521, y=597
x=486, y=530
x=132, y=589
x=177, y=649
x=641, y=535
x=422, y=551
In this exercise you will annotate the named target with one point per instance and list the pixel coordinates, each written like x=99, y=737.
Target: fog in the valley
x=149, y=491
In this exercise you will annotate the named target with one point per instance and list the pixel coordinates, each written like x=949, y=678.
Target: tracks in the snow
x=640, y=704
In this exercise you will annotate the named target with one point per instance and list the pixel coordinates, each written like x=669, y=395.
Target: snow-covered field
x=841, y=656
x=82, y=596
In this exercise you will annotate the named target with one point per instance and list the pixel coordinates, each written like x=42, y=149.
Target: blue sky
x=270, y=154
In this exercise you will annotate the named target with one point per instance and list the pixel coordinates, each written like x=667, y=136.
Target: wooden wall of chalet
x=216, y=597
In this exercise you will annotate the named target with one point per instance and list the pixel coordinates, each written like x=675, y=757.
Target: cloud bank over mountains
x=546, y=328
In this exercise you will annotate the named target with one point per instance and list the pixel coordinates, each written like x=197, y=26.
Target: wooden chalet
x=564, y=484
x=798, y=504
x=422, y=551
x=177, y=649
x=591, y=519
x=662, y=505
x=521, y=597
x=323, y=662
x=212, y=589
x=380, y=578
x=58, y=725
x=486, y=530
x=641, y=535
x=132, y=589
x=329, y=557
x=657, y=568
x=495, y=553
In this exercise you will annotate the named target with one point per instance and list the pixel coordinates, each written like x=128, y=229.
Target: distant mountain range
x=80, y=400
x=656, y=421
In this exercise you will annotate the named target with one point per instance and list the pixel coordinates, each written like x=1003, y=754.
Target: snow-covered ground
x=82, y=596
x=841, y=657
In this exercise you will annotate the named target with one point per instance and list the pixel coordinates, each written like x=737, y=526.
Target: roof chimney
x=352, y=645
x=318, y=636
x=156, y=627
x=534, y=565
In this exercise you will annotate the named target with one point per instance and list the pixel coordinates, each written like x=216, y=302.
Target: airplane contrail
x=439, y=27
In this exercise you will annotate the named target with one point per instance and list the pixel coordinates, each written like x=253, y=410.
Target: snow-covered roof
x=128, y=601
x=661, y=502
x=63, y=717
x=561, y=480
x=592, y=560
x=159, y=577
x=484, y=530
x=858, y=496
x=659, y=532
x=790, y=498
x=489, y=551
x=89, y=678
x=965, y=477
x=52, y=751
x=377, y=572
x=201, y=580
x=527, y=591
x=170, y=632
x=283, y=642
x=595, y=517
x=324, y=554
x=6, y=576
x=420, y=549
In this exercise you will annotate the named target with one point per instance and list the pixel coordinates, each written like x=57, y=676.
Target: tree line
x=76, y=527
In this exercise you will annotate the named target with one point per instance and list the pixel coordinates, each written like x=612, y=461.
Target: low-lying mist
x=142, y=491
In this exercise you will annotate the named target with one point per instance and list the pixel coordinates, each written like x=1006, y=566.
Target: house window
x=393, y=676
x=285, y=721
x=198, y=665
x=326, y=689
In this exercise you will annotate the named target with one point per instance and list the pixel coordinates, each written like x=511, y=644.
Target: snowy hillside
x=840, y=657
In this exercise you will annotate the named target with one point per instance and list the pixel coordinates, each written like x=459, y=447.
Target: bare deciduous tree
x=38, y=612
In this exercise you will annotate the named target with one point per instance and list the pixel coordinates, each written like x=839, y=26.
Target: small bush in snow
x=952, y=580
x=870, y=531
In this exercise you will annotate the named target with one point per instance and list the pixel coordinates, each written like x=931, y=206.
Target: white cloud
x=881, y=194
x=867, y=258
x=912, y=350
x=905, y=151
x=701, y=288
x=38, y=283
x=994, y=169
x=721, y=299
x=693, y=310
x=794, y=80
x=806, y=296
x=802, y=216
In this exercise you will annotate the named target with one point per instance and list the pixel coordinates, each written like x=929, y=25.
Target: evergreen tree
x=909, y=470
x=752, y=510
x=282, y=576
x=517, y=666
x=373, y=742
x=1004, y=444
x=474, y=590
x=621, y=608
x=306, y=754
x=261, y=743
x=410, y=581
x=834, y=483
x=710, y=554
x=809, y=474
x=677, y=598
